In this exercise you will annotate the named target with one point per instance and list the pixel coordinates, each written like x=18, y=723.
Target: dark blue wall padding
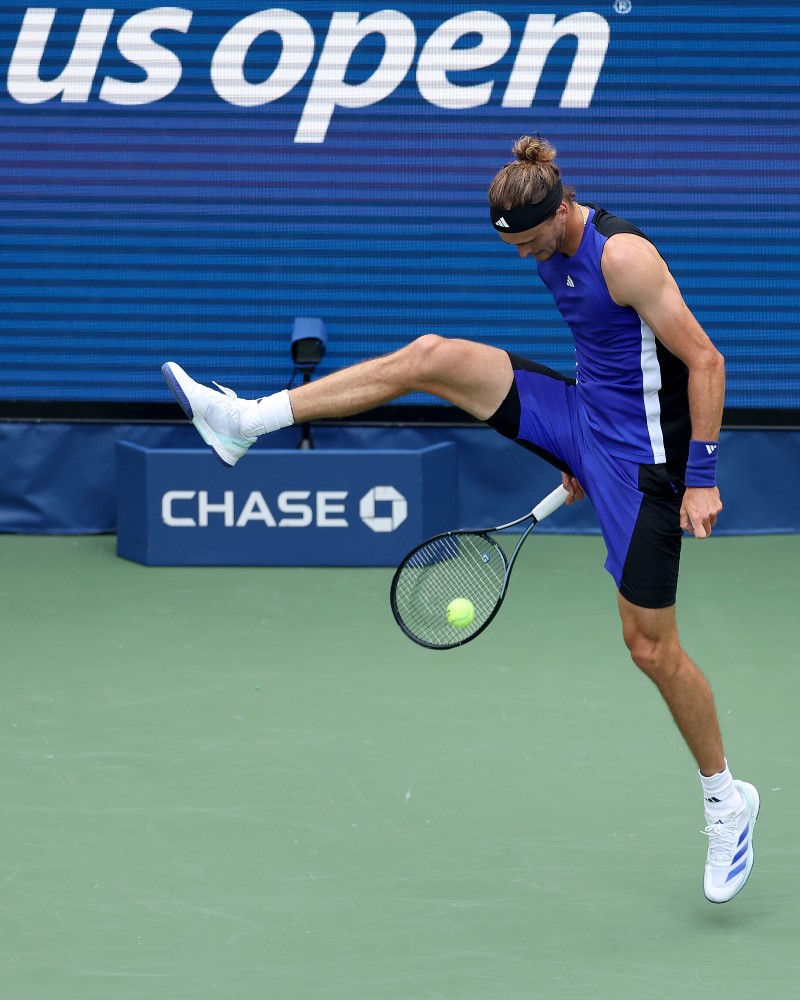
x=60, y=478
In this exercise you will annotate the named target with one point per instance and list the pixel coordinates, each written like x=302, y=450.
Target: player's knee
x=428, y=356
x=655, y=656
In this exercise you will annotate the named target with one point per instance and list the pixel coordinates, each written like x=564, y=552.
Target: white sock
x=267, y=414
x=720, y=794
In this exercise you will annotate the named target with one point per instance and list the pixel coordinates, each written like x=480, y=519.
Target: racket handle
x=550, y=503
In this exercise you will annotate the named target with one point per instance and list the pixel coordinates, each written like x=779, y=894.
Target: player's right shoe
x=217, y=415
x=730, y=848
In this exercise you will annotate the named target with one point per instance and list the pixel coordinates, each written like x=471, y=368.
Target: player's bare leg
x=472, y=376
x=651, y=635
x=731, y=807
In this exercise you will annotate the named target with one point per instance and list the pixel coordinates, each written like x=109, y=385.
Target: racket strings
x=468, y=565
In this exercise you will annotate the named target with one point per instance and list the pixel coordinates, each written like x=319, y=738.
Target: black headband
x=519, y=220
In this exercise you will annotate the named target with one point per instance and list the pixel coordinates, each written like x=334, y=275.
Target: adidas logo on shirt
x=502, y=224
x=570, y=282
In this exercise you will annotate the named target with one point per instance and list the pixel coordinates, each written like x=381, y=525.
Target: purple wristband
x=701, y=469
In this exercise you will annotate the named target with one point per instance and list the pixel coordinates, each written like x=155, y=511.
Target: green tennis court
x=248, y=784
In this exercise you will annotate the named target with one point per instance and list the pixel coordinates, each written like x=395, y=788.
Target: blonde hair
x=529, y=178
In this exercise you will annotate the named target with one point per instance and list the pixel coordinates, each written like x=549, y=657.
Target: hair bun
x=534, y=149
x=530, y=177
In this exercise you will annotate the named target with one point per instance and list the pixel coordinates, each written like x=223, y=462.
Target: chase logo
x=393, y=506
x=382, y=509
x=327, y=70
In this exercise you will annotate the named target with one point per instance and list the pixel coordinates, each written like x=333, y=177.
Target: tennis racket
x=469, y=565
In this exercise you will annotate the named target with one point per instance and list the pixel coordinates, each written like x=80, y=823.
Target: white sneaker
x=730, y=848
x=216, y=415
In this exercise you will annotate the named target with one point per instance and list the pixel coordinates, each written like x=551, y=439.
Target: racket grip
x=550, y=503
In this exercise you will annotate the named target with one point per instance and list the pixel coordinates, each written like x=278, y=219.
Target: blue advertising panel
x=180, y=182
x=282, y=508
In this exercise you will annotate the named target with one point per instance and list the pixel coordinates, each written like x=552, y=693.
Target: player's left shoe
x=730, y=848
x=216, y=413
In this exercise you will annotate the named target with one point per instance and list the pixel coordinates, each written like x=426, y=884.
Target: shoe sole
x=201, y=426
x=750, y=792
x=171, y=379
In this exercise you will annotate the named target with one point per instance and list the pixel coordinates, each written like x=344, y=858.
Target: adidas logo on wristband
x=701, y=469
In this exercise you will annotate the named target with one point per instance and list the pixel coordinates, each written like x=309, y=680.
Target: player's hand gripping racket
x=468, y=566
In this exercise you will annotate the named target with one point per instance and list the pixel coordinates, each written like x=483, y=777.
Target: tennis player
x=637, y=429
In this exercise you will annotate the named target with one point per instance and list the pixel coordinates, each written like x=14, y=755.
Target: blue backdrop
x=180, y=182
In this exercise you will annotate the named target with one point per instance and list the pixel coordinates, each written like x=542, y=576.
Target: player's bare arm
x=637, y=276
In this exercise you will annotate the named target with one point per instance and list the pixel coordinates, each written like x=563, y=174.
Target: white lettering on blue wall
x=328, y=89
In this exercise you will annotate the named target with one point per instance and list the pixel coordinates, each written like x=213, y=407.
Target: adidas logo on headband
x=525, y=217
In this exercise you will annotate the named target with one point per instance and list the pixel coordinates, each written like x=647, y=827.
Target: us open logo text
x=436, y=60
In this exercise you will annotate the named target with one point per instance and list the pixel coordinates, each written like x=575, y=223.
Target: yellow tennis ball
x=460, y=612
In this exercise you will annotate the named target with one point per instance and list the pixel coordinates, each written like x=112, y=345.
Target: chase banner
x=323, y=507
